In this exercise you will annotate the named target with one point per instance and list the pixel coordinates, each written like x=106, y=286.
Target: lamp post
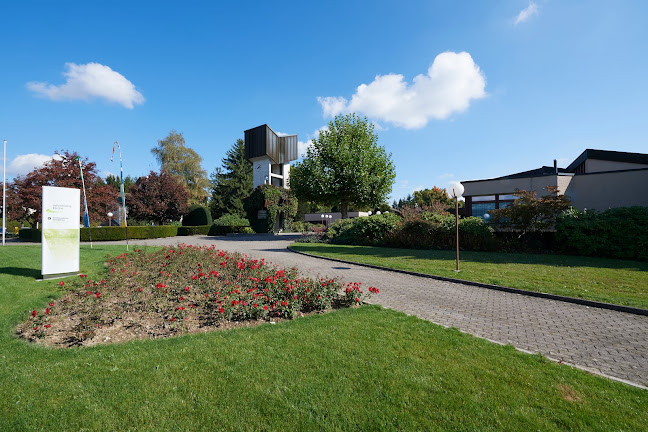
x=110, y=215
x=457, y=191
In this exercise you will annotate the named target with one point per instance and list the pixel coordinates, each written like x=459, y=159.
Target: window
x=481, y=209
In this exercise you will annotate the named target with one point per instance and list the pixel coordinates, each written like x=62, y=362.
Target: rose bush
x=181, y=289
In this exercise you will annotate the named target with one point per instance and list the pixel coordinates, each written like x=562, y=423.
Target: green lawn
x=354, y=369
x=600, y=279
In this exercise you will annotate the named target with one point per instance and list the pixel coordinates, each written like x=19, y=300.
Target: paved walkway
x=599, y=340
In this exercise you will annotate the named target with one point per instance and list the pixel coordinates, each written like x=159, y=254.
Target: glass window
x=481, y=209
x=507, y=197
x=483, y=198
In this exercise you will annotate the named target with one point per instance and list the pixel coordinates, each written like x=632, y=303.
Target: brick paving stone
x=605, y=341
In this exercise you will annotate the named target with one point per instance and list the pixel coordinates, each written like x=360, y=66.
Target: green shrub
x=299, y=226
x=615, y=233
x=434, y=231
x=193, y=230
x=230, y=223
x=368, y=230
x=197, y=216
x=30, y=234
x=111, y=233
x=279, y=204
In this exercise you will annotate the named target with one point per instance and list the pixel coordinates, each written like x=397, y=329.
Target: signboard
x=60, y=237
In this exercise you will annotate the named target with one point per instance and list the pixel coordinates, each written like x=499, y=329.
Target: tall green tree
x=177, y=159
x=231, y=183
x=113, y=180
x=345, y=166
x=428, y=197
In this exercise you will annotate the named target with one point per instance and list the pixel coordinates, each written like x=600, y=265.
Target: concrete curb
x=583, y=302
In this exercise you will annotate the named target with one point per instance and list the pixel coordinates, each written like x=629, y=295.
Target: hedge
x=111, y=233
x=614, y=233
x=197, y=216
x=219, y=230
x=194, y=230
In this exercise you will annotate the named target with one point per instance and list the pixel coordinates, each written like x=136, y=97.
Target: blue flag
x=86, y=220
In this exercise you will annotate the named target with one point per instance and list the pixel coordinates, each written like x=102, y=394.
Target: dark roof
x=608, y=155
x=263, y=141
x=538, y=172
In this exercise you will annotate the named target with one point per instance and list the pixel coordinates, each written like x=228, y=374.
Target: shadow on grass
x=21, y=271
x=478, y=257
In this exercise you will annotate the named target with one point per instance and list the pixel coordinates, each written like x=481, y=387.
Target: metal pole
x=4, y=191
x=85, y=201
x=456, y=226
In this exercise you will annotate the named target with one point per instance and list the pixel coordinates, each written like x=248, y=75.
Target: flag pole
x=4, y=192
x=86, y=216
x=121, y=189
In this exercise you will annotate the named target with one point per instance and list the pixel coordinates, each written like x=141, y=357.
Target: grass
x=354, y=369
x=600, y=279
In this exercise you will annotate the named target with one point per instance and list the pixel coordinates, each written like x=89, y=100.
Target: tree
x=177, y=159
x=62, y=171
x=113, y=181
x=345, y=166
x=428, y=197
x=158, y=197
x=232, y=183
x=528, y=213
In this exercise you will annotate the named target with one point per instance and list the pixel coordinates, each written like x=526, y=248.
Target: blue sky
x=458, y=90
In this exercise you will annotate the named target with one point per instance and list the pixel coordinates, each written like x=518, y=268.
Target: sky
x=459, y=90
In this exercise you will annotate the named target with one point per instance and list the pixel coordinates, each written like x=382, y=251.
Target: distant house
x=597, y=179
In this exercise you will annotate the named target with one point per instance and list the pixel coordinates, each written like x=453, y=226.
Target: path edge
x=583, y=302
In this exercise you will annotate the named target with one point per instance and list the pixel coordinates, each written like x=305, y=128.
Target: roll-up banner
x=60, y=231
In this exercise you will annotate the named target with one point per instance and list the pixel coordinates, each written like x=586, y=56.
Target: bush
x=230, y=223
x=197, y=216
x=279, y=205
x=193, y=230
x=433, y=231
x=368, y=230
x=615, y=233
x=111, y=233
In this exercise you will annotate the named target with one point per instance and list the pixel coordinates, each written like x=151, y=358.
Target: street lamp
x=457, y=191
x=110, y=215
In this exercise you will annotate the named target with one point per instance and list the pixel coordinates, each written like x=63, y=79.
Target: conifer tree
x=231, y=183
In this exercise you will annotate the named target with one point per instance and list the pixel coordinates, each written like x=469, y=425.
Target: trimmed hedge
x=197, y=216
x=111, y=233
x=366, y=231
x=614, y=233
x=219, y=230
x=194, y=230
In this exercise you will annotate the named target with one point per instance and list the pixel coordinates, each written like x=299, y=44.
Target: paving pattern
x=602, y=341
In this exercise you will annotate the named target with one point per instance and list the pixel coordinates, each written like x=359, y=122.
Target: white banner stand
x=60, y=232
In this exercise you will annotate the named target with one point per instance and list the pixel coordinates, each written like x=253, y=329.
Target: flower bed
x=180, y=290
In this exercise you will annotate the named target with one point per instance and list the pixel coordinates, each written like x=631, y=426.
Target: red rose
x=61, y=283
x=47, y=311
x=34, y=314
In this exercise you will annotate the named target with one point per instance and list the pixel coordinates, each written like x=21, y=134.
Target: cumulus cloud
x=90, y=81
x=526, y=13
x=23, y=164
x=451, y=83
x=302, y=146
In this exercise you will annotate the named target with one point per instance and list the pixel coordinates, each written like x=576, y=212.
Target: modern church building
x=597, y=179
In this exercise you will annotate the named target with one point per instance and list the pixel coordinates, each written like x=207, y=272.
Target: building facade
x=597, y=179
x=270, y=155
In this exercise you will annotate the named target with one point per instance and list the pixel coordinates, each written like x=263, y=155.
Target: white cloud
x=26, y=163
x=90, y=81
x=302, y=146
x=449, y=86
x=526, y=13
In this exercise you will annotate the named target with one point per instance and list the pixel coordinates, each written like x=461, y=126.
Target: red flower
x=172, y=319
x=181, y=298
x=62, y=283
x=47, y=326
x=51, y=304
x=34, y=314
x=47, y=311
x=187, y=289
x=265, y=307
x=357, y=299
x=160, y=285
x=139, y=289
x=221, y=310
x=98, y=295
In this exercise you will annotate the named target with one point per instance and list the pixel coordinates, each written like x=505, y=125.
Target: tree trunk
x=344, y=209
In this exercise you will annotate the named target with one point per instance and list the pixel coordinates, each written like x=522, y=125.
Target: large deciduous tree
x=429, y=197
x=178, y=159
x=232, y=183
x=161, y=198
x=345, y=166
x=62, y=171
